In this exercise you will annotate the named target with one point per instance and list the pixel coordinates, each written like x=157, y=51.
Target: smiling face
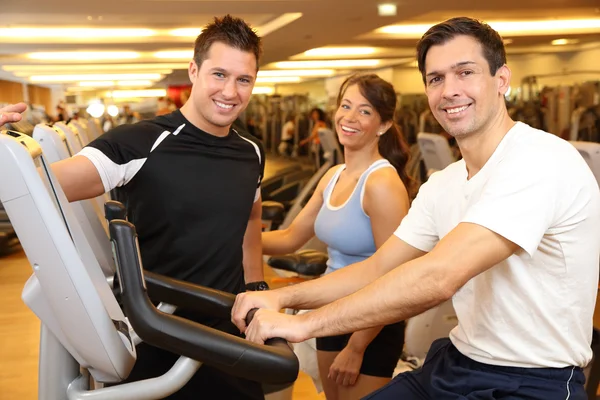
x=463, y=96
x=222, y=87
x=356, y=120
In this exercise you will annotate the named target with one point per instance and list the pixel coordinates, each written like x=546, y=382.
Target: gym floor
x=19, y=337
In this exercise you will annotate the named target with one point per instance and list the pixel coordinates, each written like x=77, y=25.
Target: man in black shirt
x=191, y=184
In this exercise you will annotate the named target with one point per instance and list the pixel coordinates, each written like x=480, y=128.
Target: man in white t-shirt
x=510, y=233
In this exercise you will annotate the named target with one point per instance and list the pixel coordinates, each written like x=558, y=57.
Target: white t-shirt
x=286, y=131
x=534, y=309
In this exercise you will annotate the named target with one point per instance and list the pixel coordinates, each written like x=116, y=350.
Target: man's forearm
x=398, y=295
x=253, y=267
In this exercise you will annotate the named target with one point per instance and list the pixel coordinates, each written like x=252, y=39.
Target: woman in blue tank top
x=356, y=207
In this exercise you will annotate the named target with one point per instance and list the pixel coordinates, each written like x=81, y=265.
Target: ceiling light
x=187, y=32
x=278, y=79
x=263, y=90
x=513, y=28
x=135, y=83
x=562, y=42
x=24, y=70
x=277, y=23
x=96, y=83
x=106, y=70
x=387, y=10
x=297, y=72
x=112, y=110
x=327, y=64
x=79, y=89
x=70, y=33
x=96, y=110
x=106, y=77
x=115, y=83
x=175, y=54
x=339, y=51
x=122, y=94
x=84, y=55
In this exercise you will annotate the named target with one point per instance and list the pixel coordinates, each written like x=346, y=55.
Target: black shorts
x=382, y=354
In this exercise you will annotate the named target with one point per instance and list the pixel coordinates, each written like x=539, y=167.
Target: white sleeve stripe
x=159, y=140
x=257, y=194
x=112, y=174
x=178, y=129
x=98, y=159
x=253, y=144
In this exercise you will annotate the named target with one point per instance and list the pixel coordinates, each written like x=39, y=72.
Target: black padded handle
x=209, y=302
x=114, y=210
x=270, y=342
x=272, y=364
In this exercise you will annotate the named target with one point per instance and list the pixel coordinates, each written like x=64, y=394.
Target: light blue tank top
x=346, y=229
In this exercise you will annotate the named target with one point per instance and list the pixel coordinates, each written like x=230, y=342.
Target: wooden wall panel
x=11, y=92
x=40, y=95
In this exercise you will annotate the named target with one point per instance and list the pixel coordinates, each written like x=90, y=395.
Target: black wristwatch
x=257, y=286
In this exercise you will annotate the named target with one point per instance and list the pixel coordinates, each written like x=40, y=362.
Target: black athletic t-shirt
x=188, y=193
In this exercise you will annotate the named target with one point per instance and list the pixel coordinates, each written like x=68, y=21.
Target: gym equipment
x=82, y=323
x=425, y=328
x=8, y=239
x=95, y=131
x=74, y=139
x=79, y=126
x=435, y=151
x=53, y=142
x=591, y=154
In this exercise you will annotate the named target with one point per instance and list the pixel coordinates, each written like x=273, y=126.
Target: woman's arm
x=386, y=203
x=300, y=231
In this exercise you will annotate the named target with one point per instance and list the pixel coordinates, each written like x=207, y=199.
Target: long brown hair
x=392, y=145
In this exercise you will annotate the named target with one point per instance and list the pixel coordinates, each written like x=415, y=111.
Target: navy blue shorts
x=449, y=375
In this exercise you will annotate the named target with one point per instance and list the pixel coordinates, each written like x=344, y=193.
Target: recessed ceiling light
x=339, y=51
x=387, y=9
x=562, y=42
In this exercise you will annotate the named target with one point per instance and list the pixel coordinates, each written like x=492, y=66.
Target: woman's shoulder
x=384, y=182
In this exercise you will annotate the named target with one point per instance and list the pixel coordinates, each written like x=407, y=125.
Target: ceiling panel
x=322, y=23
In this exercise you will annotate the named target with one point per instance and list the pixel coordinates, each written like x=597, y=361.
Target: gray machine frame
x=435, y=151
x=55, y=147
x=85, y=339
x=68, y=290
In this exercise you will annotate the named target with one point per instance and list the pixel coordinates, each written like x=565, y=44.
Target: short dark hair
x=231, y=31
x=382, y=96
x=490, y=40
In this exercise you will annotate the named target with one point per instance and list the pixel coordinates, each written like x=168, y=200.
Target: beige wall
x=315, y=89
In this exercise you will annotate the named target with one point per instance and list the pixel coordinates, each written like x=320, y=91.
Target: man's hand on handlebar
x=244, y=302
x=268, y=324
